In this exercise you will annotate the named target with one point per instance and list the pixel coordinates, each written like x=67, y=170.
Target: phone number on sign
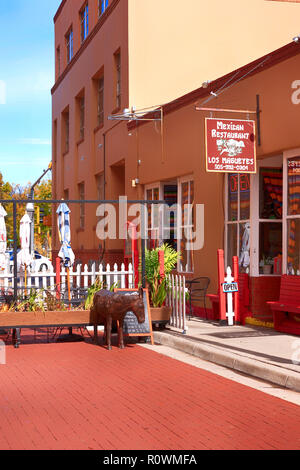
x=231, y=167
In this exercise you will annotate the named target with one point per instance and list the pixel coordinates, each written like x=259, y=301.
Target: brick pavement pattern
x=81, y=396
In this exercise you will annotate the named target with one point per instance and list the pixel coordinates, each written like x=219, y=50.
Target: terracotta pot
x=267, y=269
x=160, y=314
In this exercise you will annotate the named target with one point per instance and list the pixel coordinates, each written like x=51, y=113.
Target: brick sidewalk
x=80, y=396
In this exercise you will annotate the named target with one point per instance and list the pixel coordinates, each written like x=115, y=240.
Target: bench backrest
x=290, y=289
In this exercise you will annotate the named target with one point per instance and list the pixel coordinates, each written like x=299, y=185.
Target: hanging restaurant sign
x=230, y=146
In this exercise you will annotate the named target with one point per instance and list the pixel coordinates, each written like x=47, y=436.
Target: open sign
x=232, y=287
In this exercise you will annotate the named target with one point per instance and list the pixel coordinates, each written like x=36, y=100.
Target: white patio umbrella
x=3, y=238
x=64, y=231
x=24, y=256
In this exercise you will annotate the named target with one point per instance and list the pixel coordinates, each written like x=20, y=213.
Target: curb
x=268, y=372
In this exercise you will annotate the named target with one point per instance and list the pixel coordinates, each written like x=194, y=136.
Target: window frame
x=84, y=22
x=237, y=222
x=179, y=226
x=81, y=206
x=118, y=79
x=81, y=117
x=70, y=44
x=180, y=221
x=100, y=91
x=285, y=216
x=102, y=6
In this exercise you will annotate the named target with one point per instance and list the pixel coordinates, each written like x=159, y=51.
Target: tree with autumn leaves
x=43, y=191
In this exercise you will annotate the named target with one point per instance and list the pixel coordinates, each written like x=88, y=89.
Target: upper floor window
x=102, y=5
x=81, y=192
x=69, y=44
x=84, y=20
x=118, y=79
x=81, y=117
x=58, y=62
x=100, y=108
x=66, y=131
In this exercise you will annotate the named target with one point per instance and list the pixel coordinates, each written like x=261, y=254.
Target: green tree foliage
x=15, y=191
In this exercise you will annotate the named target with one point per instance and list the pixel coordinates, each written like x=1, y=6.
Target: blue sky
x=26, y=78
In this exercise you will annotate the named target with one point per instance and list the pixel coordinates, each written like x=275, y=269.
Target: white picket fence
x=177, y=300
x=80, y=278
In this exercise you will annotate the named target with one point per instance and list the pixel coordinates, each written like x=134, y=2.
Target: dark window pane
x=270, y=246
x=270, y=194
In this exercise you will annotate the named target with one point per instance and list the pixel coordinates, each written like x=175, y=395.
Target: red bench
x=286, y=311
x=244, y=299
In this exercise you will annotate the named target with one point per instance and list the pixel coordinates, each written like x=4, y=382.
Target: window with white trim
x=186, y=224
x=293, y=216
x=237, y=220
x=84, y=22
x=69, y=45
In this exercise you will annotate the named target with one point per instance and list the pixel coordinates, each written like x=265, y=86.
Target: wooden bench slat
x=288, y=303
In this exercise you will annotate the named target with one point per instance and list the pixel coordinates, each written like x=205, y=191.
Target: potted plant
x=157, y=281
x=266, y=264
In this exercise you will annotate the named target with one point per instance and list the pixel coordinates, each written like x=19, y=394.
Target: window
x=270, y=218
x=84, y=21
x=169, y=224
x=65, y=131
x=118, y=79
x=100, y=105
x=102, y=5
x=100, y=187
x=186, y=224
x=237, y=220
x=69, y=45
x=81, y=191
x=57, y=62
x=153, y=222
x=81, y=117
x=293, y=215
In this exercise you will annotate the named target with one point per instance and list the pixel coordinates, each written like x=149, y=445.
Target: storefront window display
x=270, y=220
x=293, y=216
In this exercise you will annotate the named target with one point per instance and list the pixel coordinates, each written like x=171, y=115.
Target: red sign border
x=206, y=150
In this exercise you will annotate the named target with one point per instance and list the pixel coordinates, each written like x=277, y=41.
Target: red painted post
x=161, y=260
x=58, y=278
x=235, y=264
x=222, y=295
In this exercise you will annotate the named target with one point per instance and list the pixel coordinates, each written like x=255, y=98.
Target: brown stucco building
x=108, y=58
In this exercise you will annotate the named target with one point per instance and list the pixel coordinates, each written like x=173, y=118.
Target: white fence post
x=176, y=300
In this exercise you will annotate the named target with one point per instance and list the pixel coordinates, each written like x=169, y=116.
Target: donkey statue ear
x=141, y=292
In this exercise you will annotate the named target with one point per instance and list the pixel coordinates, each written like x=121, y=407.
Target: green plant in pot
x=158, y=283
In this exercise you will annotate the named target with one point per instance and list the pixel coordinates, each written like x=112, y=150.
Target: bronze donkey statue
x=108, y=306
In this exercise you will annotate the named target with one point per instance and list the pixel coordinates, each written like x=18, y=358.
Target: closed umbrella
x=66, y=252
x=24, y=256
x=64, y=232
x=3, y=238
